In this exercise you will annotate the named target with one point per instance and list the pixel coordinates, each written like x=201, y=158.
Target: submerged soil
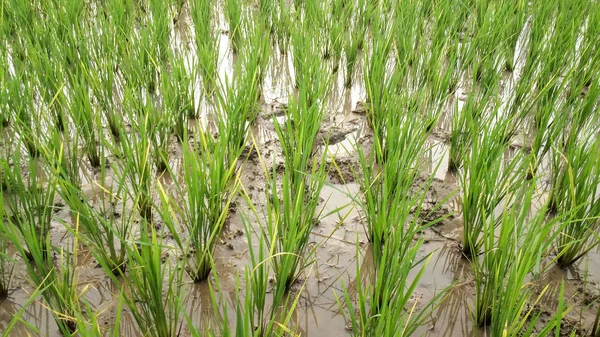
x=336, y=236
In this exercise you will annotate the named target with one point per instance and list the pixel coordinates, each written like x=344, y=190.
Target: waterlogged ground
x=336, y=237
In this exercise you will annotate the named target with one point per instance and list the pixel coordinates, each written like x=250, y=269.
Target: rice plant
x=234, y=12
x=28, y=234
x=7, y=263
x=292, y=212
x=154, y=286
x=160, y=11
x=503, y=293
x=102, y=78
x=31, y=207
x=284, y=18
x=158, y=126
x=387, y=187
x=238, y=103
x=85, y=117
x=211, y=183
x=61, y=152
x=379, y=83
x=353, y=38
x=577, y=189
x=293, y=207
x=21, y=101
x=135, y=149
x=486, y=181
x=207, y=45
x=385, y=307
x=105, y=229
x=177, y=97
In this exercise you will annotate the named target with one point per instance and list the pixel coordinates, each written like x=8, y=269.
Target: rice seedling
x=387, y=188
x=486, y=181
x=135, y=150
x=378, y=81
x=336, y=25
x=257, y=315
x=154, y=286
x=577, y=189
x=258, y=52
x=211, y=184
x=305, y=114
x=234, y=12
x=7, y=263
x=283, y=25
x=474, y=110
x=31, y=206
x=409, y=31
x=291, y=219
x=51, y=79
x=28, y=234
x=160, y=12
x=61, y=152
x=85, y=117
x=120, y=15
x=104, y=229
x=140, y=62
x=21, y=101
x=353, y=38
x=238, y=104
x=266, y=10
x=514, y=18
x=207, y=49
x=102, y=78
x=158, y=129
x=503, y=293
x=177, y=97
x=383, y=307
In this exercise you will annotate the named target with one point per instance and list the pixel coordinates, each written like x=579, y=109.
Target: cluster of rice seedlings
x=178, y=97
x=386, y=187
x=408, y=31
x=30, y=211
x=210, y=182
x=487, y=181
x=21, y=101
x=159, y=126
x=207, y=43
x=380, y=81
x=86, y=120
x=31, y=206
x=577, y=189
x=105, y=229
x=283, y=18
x=336, y=22
x=7, y=263
x=153, y=288
x=135, y=149
x=61, y=151
x=503, y=292
x=234, y=12
x=292, y=206
x=383, y=306
x=238, y=103
x=353, y=39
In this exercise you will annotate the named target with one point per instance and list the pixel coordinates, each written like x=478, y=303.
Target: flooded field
x=299, y=168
